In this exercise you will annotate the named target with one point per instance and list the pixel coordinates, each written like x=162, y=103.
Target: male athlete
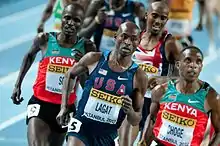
x=156, y=53
x=114, y=90
x=56, y=7
x=179, y=110
x=60, y=51
x=106, y=18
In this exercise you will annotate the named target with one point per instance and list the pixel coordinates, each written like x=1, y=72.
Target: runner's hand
x=126, y=104
x=63, y=117
x=101, y=16
x=16, y=96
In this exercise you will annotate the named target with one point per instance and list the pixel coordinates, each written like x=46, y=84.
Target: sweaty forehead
x=129, y=28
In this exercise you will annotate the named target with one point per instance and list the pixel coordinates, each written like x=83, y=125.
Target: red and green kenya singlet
x=182, y=119
x=52, y=68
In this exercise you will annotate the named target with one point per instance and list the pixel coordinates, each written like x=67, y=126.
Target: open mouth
x=156, y=28
x=126, y=50
x=69, y=29
x=191, y=73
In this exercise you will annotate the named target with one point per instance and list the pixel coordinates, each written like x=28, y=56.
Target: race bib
x=74, y=125
x=55, y=77
x=107, y=40
x=176, y=130
x=33, y=110
x=102, y=107
x=179, y=27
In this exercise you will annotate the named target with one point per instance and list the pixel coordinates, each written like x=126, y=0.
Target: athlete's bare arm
x=79, y=68
x=133, y=105
x=91, y=23
x=39, y=43
x=93, y=8
x=46, y=15
x=140, y=13
x=213, y=99
x=157, y=93
x=172, y=51
x=89, y=47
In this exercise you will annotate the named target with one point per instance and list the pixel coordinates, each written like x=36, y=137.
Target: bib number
x=153, y=143
x=176, y=134
x=33, y=110
x=102, y=107
x=74, y=125
x=179, y=28
x=54, y=82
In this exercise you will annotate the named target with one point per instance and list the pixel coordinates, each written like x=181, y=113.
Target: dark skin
x=156, y=19
x=127, y=38
x=190, y=66
x=49, y=10
x=38, y=130
x=96, y=9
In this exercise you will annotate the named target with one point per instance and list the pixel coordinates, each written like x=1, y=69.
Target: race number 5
x=74, y=125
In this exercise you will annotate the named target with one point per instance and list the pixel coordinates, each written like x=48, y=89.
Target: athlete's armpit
x=213, y=99
x=82, y=65
x=172, y=49
x=39, y=43
x=157, y=94
x=140, y=88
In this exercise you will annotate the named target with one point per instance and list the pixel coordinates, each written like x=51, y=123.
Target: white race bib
x=33, y=110
x=54, y=81
x=74, y=125
x=179, y=27
x=177, y=134
x=102, y=107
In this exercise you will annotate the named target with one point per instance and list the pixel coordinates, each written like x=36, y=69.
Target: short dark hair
x=191, y=48
x=74, y=5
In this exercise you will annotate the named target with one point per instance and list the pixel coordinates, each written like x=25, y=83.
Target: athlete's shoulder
x=158, y=92
x=93, y=56
x=41, y=39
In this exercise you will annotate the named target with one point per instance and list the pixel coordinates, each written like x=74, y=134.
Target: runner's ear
x=177, y=64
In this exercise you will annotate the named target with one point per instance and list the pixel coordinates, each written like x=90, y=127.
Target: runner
x=56, y=7
x=60, y=51
x=104, y=18
x=115, y=88
x=156, y=54
x=179, y=109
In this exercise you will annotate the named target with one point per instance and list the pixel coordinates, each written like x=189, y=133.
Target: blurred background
x=18, y=26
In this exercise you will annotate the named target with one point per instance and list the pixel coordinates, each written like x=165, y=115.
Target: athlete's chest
x=115, y=83
x=114, y=20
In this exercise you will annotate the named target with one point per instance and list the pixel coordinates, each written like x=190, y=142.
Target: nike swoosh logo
x=126, y=14
x=193, y=101
x=123, y=79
